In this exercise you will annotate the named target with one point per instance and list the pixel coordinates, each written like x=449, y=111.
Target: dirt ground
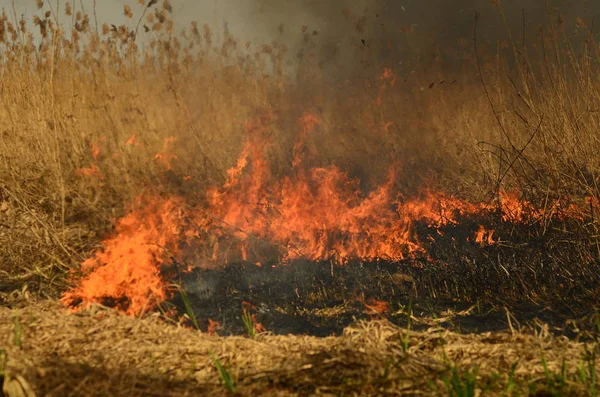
x=45, y=350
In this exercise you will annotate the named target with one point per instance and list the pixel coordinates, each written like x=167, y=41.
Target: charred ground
x=484, y=281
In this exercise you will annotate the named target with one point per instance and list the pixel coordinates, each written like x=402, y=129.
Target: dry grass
x=100, y=352
x=86, y=122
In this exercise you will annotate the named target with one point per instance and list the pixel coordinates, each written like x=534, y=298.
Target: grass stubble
x=91, y=114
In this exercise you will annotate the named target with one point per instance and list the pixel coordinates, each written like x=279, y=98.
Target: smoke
x=390, y=32
x=355, y=34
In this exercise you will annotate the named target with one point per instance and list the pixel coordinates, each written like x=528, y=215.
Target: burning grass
x=112, y=118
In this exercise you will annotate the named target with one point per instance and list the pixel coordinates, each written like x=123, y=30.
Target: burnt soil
x=532, y=275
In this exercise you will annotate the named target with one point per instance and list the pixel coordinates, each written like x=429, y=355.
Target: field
x=181, y=215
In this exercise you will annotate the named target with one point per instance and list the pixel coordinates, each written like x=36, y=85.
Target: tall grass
x=90, y=117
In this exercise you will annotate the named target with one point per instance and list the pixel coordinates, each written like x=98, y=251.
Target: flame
x=484, y=236
x=321, y=213
x=317, y=213
x=127, y=270
x=95, y=149
x=301, y=151
x=247, y=307
x=131, y=141
x=388, y=79
x=515, y=209
x=258, y=327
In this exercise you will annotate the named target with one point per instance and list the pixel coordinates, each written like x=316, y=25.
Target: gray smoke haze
x=259, y=19
x=344, y=32
x=393, y=32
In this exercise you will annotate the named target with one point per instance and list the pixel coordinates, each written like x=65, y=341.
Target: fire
x=514, y=209
x=127, y=270
x=250, y=318
x=95, y=149
x=131, y=141
x=320, y=213
x=484, y=236
x=317, y=213
x=388, y=79
x=517, y=210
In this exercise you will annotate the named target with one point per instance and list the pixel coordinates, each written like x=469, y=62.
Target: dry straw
x=100, y=352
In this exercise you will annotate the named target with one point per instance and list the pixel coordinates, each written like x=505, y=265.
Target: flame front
x=317, y=213
x=127, y=269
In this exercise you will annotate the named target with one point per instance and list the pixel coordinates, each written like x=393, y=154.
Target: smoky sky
x=394, y=32
x=432, y=20
x=259, y=19
x=338, y=30
x=397, y=30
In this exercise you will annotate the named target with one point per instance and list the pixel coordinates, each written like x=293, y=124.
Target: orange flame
x=315, y=213
x=246, y=308
x=131, y=140
x=514, y=209
x=320, y=213
x=484, y=236
x=95, y=149
x=127, y=269
x=388, y=79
